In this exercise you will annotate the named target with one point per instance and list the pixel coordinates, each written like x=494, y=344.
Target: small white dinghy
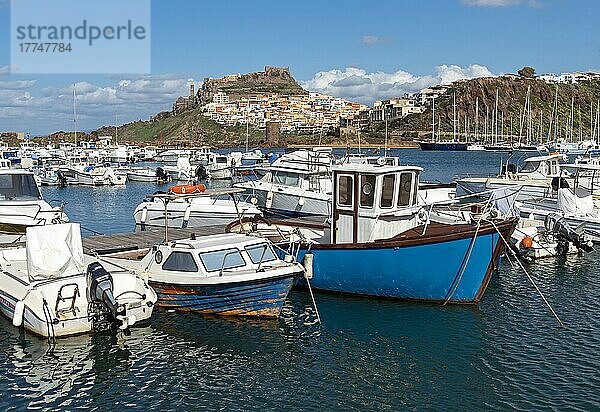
x=52, y=289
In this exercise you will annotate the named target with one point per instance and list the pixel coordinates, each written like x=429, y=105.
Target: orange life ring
x=187, y=189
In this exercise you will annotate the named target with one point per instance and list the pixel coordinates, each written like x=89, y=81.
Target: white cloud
x=490, y=3
x=16, y=84
x=371, y=39
x=50, y=108
x=356, y=84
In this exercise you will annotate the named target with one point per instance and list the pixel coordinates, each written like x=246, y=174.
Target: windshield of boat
x=18, y=187
x=261, y=253
x=286, y=178
x=222, y=259
x=530, y=167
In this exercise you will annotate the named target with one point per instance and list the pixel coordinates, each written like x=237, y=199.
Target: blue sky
x=355, y=49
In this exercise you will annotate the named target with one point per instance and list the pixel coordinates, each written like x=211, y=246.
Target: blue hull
x=425, y=271
x=264, y=297
x=447, y=146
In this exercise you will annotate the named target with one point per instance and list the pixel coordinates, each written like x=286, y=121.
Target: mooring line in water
x=528, y=275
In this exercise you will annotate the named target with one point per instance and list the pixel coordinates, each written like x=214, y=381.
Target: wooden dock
x=121, y=242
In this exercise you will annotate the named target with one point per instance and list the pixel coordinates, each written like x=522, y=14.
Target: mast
x=495, y=126
x=74, y=115
x=433, y=121
x=454, y=116
x=386, y=132
x=116, y=129
x=477, y=119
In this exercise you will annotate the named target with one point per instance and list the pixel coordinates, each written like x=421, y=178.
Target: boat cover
x=504, y=201
x=575, y=203
x=54, y=251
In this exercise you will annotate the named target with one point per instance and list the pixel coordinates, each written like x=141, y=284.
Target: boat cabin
x=542, y=167
x=210, y=256
x=373, y=202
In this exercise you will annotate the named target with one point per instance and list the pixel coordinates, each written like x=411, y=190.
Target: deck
x=121, y=242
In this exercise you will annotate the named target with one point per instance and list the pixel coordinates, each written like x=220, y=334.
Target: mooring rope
x=528, y=275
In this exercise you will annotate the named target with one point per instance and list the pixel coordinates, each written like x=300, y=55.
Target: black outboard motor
x=161, y=174
x=201, y=173
x=104, y=309
x=559, y=183
x=565, y=234
x=62, y=180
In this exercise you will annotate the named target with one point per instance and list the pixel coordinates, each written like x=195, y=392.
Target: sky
x=359, y=50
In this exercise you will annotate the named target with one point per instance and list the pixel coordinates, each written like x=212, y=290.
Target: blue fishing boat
x=447, y=146
x=227, y=274
x=382, y=241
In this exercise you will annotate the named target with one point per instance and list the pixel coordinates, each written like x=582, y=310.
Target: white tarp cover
x=54, y=251
x=504, y=200
x=572, y=204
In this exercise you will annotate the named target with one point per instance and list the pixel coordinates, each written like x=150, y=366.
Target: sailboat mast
x=74, y=115
x=433, y=120
x=116, y=129
x=477, y=119
x=496, y=119
x=454, y=116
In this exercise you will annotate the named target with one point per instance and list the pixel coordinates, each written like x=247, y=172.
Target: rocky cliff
x=271, y=80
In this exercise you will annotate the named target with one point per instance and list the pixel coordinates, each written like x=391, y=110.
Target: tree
x=527, y=72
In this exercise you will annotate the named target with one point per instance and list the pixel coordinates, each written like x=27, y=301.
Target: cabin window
x=554, y=168
x=18, y=186
x=180, y=262
x=405, y=188
x=222, y=259
x=367, y=190
x=287, y=179
x=387, y=191
x=530, y=167
x=345, y=190
x=415, y=191
x=261, y=253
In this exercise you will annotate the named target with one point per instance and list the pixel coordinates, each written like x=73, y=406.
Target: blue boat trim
x=258, y=297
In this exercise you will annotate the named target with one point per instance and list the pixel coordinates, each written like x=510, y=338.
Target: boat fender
x=254, y=200
x=301, y=201
x=186, y=217
x=307, y=262
x=18, y=314
x=144, y=215
x=269, y=201
x=145, y=276
x=527, y=242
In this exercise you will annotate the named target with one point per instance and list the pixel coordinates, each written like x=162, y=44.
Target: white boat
x=22, y=205
x=99, y=176
x=227, y=274
x=576, y=203
x=219, y=166
x=209, y=208
x=535, y=179
x=52, y=289
x=475, y=147
x=170, y=157
x=296, y=184
x=183, y=171
x=147, y=174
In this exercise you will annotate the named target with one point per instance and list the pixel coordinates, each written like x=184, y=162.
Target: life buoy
x=187, y=189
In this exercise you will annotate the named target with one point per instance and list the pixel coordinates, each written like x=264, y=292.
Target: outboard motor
x=559, y=183
x=201, y=173
x=565, y=234
x=161, y=174
x=104, y=310
x=62, y=180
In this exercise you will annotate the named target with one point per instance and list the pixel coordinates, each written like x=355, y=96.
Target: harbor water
x=508, y=352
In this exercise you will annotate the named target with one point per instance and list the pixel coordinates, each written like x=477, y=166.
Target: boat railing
x=231, y=252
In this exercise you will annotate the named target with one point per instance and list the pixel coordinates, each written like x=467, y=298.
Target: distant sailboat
x=443, y=145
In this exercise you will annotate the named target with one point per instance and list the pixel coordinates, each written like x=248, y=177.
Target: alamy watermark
x=75, y=36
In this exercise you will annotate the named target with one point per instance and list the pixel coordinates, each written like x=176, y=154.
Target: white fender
x=301, y=201
x=269, y=201
x=307, y=262
x=18, y=314
x=144, y=215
